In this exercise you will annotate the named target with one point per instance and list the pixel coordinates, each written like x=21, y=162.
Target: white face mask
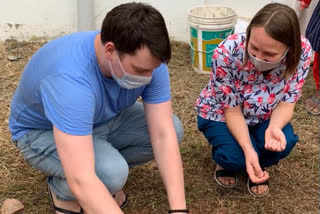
x=128, y=81
x=262, y=65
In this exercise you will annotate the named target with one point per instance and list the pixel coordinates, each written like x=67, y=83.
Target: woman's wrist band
x=179, y=211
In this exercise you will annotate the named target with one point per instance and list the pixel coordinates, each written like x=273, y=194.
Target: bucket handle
x=200, y=50
x=206, y=52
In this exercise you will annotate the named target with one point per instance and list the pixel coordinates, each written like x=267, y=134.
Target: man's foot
x=312, y=104
x=62, y=207
x=258, y=190
x=121, y=198
x=225, y=178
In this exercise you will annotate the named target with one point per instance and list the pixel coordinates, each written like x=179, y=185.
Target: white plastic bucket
x=209, y=25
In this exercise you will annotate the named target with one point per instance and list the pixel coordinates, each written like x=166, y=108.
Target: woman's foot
x=225, y=178
x=258, y=190
x=312, y=104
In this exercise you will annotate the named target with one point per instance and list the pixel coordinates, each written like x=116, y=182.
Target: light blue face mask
x=129, y=81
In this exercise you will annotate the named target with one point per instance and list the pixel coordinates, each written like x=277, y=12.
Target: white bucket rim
x=211, y=27
x=224, y=17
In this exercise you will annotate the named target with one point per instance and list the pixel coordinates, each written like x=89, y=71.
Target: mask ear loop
x=111, y=64
x=122, y=69
x=286, y=52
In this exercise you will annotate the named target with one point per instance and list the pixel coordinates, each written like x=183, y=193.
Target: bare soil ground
x=294, y=182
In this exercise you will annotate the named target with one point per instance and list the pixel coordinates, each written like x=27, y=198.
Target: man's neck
x=102, y=61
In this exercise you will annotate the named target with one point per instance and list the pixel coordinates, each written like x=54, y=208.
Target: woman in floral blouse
x=246, y=108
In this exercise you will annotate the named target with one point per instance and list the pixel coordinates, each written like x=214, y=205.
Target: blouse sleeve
x=292, y=88
x=223, y=76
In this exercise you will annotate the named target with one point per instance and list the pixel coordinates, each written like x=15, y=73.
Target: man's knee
x=113, y=173
x=178, y=128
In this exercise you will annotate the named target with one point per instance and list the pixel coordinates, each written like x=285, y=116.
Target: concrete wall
x=27, y=19
x=175, y=11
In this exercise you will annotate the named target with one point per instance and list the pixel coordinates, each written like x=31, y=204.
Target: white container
x=209, y=25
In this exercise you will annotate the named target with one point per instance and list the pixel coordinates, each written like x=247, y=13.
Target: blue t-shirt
x=63, y=86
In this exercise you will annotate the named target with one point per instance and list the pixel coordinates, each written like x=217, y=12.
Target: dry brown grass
x=294, y=182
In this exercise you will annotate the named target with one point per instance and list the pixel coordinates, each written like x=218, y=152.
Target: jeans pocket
x=43, y=143
x=24, y=141
x=36, y=144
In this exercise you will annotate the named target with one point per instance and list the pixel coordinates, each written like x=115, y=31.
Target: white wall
x=26, y=19
x=175, y=11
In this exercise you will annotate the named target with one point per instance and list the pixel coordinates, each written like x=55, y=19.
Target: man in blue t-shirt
x=74, y=115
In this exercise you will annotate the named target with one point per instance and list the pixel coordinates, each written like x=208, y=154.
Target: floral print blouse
x=231, y=85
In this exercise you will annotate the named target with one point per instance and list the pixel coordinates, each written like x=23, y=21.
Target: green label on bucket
x=209, y=55
x=210, y=40
x=193, y=32
x=207, y=35
x=194, y=45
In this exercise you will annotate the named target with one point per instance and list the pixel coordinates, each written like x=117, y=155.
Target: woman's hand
x=275, y=140
x=255, y=173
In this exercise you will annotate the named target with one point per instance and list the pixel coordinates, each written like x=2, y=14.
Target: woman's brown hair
x=281, y=23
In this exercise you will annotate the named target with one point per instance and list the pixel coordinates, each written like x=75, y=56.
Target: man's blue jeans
x=119, y=144
x=228, y=154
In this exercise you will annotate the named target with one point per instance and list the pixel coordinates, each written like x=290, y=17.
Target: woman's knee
x=229, y=159
x=291, y=139
x=270, y=158
x=291, y=142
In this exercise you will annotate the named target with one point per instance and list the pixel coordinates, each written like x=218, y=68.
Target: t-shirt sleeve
x=292, y=88
x=68, y=103
x=158, y=90
x=222, y=80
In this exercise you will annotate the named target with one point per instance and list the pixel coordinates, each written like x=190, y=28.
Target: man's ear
x=109, y=49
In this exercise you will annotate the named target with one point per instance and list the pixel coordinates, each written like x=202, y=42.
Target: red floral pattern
x=231, y=85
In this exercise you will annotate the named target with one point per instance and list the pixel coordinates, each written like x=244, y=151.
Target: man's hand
x=254, y=170
x=77, y=158
x=166, y=151
x=275, y=140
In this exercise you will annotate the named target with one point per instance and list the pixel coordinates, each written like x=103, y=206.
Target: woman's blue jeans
x=228, y=154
